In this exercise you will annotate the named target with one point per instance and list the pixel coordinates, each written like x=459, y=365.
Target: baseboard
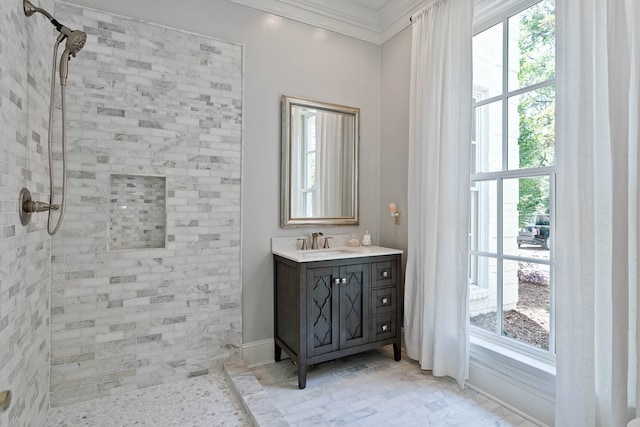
x=258, y=353
x=510, y=394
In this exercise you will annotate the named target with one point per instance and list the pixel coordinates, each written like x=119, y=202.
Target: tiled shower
x=141, y=285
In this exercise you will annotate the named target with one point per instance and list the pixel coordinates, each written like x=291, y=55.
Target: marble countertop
x=341, y=252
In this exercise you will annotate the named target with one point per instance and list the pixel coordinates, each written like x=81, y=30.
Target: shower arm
x=30, y=9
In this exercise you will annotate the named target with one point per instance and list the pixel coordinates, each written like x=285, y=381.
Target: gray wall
x=394, y=137
x=280, y=57
x=25, y=50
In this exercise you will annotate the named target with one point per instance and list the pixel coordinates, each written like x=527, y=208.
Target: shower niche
x=137, y=212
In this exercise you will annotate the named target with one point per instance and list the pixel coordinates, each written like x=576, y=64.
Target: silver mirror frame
x=287, y=220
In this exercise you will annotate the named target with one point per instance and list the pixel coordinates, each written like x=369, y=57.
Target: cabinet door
x=322, y=310
x=354, y=305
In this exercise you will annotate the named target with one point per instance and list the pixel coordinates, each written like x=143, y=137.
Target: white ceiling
x=375, y=21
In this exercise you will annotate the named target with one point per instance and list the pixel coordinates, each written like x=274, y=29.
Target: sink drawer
x=383, y=300
x=383, y=274
x=383, y=327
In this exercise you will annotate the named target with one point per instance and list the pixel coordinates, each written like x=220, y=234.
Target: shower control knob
x=27, y=206
x=34, y=206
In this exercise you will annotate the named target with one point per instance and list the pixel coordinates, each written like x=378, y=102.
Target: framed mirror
x=319, y=168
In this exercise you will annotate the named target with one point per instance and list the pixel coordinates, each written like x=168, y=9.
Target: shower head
x=75, y=42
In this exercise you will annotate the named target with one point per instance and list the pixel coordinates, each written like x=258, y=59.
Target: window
x=511, y=259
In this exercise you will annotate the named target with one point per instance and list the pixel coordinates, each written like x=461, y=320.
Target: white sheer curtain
x=436, y=317
x=598, y=78
x=297, y=168
x=327, y=199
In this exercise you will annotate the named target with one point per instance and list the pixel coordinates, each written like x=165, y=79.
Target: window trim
x=488, y=13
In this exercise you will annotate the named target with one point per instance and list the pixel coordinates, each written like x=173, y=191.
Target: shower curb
x=260, y=409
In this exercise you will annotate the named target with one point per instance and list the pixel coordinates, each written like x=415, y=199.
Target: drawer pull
x=385, y=273
x=343, y=280
x=384, y=327
x=336, y=281
x=384, y=300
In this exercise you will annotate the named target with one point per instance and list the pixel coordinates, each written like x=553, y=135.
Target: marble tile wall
x=26, y=46
x=147, y=100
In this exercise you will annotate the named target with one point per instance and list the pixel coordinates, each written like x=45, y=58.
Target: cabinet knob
x=343, y=280
x=336, y=281
x=384, y=327
x=384, y=300
x=385, y=273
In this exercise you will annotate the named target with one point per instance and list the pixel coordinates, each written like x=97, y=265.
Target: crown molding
x=345, y=17
x=395, y=15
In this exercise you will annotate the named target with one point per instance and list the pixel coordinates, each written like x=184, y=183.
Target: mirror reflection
x=320, y=163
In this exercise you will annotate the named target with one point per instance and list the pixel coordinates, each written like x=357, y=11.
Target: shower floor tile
x=207, y=400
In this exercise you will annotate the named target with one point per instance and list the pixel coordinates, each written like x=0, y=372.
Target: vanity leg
x=302, y=376
x=277, y=353
x=397, y=351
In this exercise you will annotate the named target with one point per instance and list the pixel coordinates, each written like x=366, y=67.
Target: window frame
x=501, y=13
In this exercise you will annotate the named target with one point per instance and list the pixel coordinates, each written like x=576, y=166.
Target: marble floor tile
x=371, y=389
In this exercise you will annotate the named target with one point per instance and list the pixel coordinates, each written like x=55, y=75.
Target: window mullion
x=552, y=268
x=514, y=173
x=531, y=88
x=500, y=181
x=505, y=92
x=499, y=261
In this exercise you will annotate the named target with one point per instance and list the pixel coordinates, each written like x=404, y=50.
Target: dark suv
x=536, y=234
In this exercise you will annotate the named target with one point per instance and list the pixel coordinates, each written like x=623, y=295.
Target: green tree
x=536, y=109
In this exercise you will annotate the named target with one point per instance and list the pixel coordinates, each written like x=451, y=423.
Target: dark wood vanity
x=328, y=309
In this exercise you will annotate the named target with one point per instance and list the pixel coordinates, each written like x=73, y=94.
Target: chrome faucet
x=314, y=240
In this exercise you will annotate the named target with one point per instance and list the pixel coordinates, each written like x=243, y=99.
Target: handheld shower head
x=75, y=42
